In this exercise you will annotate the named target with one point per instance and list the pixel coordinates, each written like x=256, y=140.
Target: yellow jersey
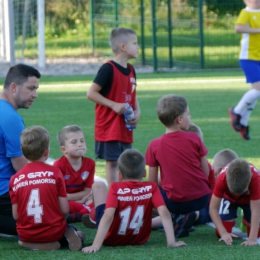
x=250, y=42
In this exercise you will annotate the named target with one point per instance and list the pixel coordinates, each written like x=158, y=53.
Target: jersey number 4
x=135, y=223
x=33, y=207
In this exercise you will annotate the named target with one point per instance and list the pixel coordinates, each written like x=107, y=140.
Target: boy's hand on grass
x=90, y=249
x=227, y=238
x=249, y=242
x=178, y=244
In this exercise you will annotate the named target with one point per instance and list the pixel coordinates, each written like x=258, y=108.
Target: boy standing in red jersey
x=113, y=87
x=125, y=219
x=238, y=185
x=78, y=171
x=39, y=199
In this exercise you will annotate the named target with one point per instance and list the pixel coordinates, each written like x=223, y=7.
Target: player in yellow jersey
x=248, y=24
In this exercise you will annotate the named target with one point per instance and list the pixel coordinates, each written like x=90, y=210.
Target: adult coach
x=19, y=91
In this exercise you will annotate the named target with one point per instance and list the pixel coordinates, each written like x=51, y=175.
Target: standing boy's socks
x=228, y=226
x=247, y=113
x=247, y=100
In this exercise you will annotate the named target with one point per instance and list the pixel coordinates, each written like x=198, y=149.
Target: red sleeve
x=11, y=193
x=221, y=185
x=91, y=170
x=150, y=155
x=61, y=185
x=112, y=201
x=254, y=186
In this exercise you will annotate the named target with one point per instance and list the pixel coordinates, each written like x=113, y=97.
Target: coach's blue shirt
x=11, y=126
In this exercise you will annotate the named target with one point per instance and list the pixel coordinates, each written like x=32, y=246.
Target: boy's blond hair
x=223, y=157
x=195, y=129
x=238, y=176
x=131, y=164
x=118, y=36
x=35, y=140
x=65, y=131
x=169, y=107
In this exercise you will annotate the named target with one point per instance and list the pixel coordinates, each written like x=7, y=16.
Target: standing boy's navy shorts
x=110, y=151
x=228, y=210
x=251, y=70
x=185, y=207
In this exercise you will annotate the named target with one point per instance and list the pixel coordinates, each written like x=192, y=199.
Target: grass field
x=62, y=101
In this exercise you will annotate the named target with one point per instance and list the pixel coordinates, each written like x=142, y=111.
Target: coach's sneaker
x=89, y=220
x=73, y=238
x=183, y=223
x=234, y=119
x=244, y=132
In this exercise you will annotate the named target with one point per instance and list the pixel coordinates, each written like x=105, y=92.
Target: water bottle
x=128, y=115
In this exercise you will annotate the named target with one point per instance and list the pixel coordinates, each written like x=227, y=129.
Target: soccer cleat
x=73, y=217
x=183, y=223
x=89, y=220
x=74, y=240
x=234, y=120
x=244, y=132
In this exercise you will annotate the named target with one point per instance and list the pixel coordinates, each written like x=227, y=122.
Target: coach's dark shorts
x=110, y=151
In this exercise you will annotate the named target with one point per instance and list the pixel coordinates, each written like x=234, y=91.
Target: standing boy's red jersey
x=253, y=193
x=133, y=216
x=35, y=189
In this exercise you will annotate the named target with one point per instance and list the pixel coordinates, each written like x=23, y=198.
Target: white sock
x=246, y=101
x=247, y=113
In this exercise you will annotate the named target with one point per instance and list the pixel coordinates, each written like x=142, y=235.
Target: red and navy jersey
x=109, y=126
x=76, y=181
x=35, y=189
x=253, y=192
x=133, y=201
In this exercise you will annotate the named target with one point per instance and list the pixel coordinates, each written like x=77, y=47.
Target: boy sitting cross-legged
x=238, y=185
x=123, y=214
x=39, y=199
x=78, y=171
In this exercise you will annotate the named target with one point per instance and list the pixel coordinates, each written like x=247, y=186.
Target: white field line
x=152, y=82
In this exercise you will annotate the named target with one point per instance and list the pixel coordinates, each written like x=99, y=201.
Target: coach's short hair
x=118, y=36
x=65, y=131
x=19, y=74
x=131, y=164
x=35, y=140
x=169, y=107
x=195, y=129
x=223, y=157
x=238, y=176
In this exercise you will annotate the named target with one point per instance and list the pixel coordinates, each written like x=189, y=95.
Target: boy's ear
x=217, y=172
x=62, y=148
x=46, y=153
x=177, y=120
x=121, y=177
x=122, y=46
x=144, y=173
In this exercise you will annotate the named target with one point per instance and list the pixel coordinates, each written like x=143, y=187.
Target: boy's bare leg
x=156, y=222
x=111, y=172
x=99, y=190
x=40, y=246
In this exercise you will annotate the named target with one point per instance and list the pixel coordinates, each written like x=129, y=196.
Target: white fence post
x=41, y=34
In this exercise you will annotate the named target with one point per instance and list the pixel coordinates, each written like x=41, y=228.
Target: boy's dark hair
x=238, y=176
x=118, y=36
x=19, y=74
x=63, y=134
x=169, y=107
x=35, y=140
x=131, y=164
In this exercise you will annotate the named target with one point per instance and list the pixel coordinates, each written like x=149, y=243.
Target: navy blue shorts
x=204, y=216
x=251, y=70
x=110, y=151
x=228, y=210
x=185, y=207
